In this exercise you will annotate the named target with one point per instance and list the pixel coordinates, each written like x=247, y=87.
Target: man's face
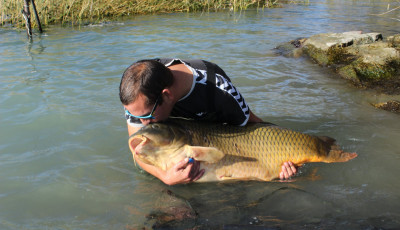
x=148, y=114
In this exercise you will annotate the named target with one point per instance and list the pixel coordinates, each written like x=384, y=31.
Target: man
x=153, y=90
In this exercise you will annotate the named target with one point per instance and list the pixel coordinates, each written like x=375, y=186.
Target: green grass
x=92, y=11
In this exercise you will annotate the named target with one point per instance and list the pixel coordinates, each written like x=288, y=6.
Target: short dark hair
x=148, y=77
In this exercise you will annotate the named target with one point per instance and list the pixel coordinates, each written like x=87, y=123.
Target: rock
x=394, y=40
x=366, y=60
x=288, y=48
x=326, y=41
x=171, y=211
x=392, y=106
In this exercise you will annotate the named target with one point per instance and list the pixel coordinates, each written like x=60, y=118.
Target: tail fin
x=335, y=154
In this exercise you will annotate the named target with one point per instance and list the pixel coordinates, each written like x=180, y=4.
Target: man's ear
x=167, y=95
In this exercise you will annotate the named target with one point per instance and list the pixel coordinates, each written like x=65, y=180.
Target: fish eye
x=156, y=126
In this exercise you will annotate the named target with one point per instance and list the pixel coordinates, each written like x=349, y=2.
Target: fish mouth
x=136, y=141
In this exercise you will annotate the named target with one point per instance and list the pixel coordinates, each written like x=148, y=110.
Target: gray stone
x=365, y=59
x=328, y=40
x=394, y=40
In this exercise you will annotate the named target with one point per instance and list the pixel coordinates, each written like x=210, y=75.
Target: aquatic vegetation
x=92, y=11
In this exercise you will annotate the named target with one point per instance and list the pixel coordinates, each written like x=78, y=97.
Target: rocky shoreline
x=367, y=60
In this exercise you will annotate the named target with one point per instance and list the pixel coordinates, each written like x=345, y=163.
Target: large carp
x=254, y=152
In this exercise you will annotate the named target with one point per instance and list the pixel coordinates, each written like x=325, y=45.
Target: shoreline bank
x=93, y=11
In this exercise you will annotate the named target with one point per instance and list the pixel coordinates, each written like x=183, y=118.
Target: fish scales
x=256, y=151
x=266, y=147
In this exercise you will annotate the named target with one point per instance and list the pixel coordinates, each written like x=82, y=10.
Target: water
x=64, y=159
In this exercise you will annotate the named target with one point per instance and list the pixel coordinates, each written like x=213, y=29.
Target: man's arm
x=182, y=172
x=253, y=118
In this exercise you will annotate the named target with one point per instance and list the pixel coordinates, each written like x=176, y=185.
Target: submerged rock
x=392, y=106
x=171, y=211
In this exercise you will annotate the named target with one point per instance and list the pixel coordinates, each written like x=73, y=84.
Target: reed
x=92, y=11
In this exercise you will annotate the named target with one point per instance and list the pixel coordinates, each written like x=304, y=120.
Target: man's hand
x=183, y=172
x=288, y=170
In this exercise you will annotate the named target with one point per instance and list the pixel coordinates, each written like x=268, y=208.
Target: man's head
x=142, y=85
x=147, y=77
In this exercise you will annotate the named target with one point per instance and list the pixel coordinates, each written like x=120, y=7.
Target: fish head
x=157, y=143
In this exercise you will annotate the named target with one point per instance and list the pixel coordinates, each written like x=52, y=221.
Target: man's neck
x=183, y=80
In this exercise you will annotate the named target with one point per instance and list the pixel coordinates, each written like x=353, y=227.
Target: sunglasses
x=147, y=116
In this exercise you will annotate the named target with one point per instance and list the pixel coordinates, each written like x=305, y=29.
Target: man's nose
x=145, y=121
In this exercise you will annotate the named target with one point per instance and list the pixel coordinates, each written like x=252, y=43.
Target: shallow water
x=64, y=159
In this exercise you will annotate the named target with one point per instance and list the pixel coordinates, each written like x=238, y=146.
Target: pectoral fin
x=206, y=154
